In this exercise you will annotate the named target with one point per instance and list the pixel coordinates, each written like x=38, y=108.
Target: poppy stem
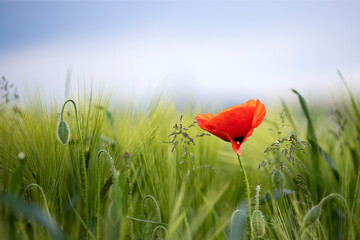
x=83, y=163
x=248, y=196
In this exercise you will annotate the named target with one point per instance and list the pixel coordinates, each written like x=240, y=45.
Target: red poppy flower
x=234, y=124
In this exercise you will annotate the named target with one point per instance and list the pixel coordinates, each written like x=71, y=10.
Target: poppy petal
x=250, y=103
x=247, y=135
x=259, y=114
x=203, y=119
x=234, y=124
x=220, y=134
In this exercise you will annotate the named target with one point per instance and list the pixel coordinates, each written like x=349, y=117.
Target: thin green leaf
x=22, y=208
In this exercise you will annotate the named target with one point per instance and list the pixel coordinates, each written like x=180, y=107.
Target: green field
x=184, y=186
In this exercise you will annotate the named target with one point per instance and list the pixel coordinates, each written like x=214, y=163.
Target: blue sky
x=219, y=51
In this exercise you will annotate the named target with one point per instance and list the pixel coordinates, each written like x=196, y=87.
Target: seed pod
x=127, y=156
x=63, y=132
x=258, y=223
x=22, y=156
x=311, y=216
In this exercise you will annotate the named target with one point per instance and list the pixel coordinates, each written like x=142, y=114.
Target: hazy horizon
x=212, y=51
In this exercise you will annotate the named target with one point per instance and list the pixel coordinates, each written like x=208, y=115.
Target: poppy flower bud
x=63, y=132
x=258, y=223
x=22, y=156
x=311, y=216
x=127, y=156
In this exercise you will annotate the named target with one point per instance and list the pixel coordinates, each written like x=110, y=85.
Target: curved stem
x=111, y=161
x=232, y=219
x=99, y=187
x=248, y=196
x=83, y=164
x=152, y=222
x=43, y=195
x=336, y=195
x=156, y=204
x=156, y=229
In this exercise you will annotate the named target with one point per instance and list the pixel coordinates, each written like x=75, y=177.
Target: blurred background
x=211, y=51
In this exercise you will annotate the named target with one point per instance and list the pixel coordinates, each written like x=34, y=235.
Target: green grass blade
x=288, y=114
x=353, y=103
x=17, y=177
x=21, y=207
x=238, y=225
x=312, y=137
x=311, y=129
